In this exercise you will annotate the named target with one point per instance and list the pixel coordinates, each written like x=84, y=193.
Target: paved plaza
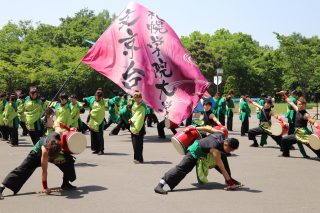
x=112, y=183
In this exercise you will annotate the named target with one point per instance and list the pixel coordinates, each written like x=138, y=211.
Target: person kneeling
x=214, y=144
x=47, y=149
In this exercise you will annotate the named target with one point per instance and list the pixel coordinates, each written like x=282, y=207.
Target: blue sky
x=259, y=18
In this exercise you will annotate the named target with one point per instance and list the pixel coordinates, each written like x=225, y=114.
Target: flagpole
x=64, y=83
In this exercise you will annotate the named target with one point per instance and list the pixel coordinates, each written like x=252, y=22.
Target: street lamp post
x=218, y=78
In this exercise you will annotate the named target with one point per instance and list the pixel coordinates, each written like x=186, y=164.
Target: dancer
x=47, y=149
x=214, y=144
x=137, y=126
x=302, y=117
x=265, y=123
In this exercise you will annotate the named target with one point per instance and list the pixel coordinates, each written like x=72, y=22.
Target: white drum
x=73, y=142
x=314, y=140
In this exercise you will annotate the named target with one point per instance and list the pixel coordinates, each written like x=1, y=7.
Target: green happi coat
x=125, y=114
x=290, y=111
x=244, y=110
x=203, y=166
x=33, y=113
x=138, y=116
x=97, y=113
x=222, y=106
x=21, y=110
x=261, y=102
x=123, y=103
x=2, y=105
x=113, y=114
x=230, y=107
x=215, y=107
x=75, y=114
x=10, y=115
x=63, y=114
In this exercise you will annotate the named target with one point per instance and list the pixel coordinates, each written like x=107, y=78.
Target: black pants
x=137, y=144
x=5, y=132
x=259, y=131
x=222, y=118
x=289, y=140
x=17, y=177
x=291, y=129
x=160, y=128
x=152, y=118
x=97, y=140
x=107, y=124
x=121, y=124
x=24, y=128
x=14, y=140
x=189, y=120
x=230, y=121
x=245, y=125
x=35, y=135
x=175, y=175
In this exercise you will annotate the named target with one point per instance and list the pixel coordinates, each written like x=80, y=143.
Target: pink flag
x=141, y=51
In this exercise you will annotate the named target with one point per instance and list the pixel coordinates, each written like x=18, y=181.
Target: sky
x=259, y=18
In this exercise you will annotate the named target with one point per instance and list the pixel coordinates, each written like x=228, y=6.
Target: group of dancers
x=210, y=151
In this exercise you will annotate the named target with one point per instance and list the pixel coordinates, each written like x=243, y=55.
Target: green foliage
x=45, y=55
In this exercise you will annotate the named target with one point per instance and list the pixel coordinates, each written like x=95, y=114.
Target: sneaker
x=101, y=153
x=159, y=189
x=254, y=145
x=136, y=162
x=67, y=186
x=284, y=155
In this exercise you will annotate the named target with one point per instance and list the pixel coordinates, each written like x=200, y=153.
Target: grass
x=279, y=108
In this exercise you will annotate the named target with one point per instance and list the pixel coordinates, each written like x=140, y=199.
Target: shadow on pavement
x=85, y=165
x=79, y=192
x=157, y=162
x=218, y=186
x=70, y=194
x=155, y=139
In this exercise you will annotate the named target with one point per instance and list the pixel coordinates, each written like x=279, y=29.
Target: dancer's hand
x=45, y=191
x=189, y=128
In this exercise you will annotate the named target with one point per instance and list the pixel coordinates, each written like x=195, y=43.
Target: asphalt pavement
x=113, y=183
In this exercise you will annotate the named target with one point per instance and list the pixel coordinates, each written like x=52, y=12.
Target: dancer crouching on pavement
x=265, y=123
x=302, y=117
x=47, y=149
x=214, y=144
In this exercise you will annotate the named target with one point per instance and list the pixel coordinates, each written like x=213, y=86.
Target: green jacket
x=33, y=113
x=63, y=114
x=203, y=166
x=2, y=105
x=10, y=115
x=222, y=106
x=75, y=114
x=113, y=114
x=261, y=102
x=230, y=107
x=97, y=112
x=138, y=116
x=21, y=110
x=290, y=111
x=125, y=114
x=244, y=110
